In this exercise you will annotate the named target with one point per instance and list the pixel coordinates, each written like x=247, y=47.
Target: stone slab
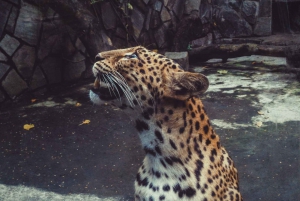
x=2, y=57
x=74, y=70
x=29, y=24
x=108, y=16
x=4, y=12
x=10, y=27
x=165, y=15
x=207, y=40
x=265, y=8
x=38, y=79
x=52, y=67
x=192, y=5
x=24, y=60
x=13, y=84
x=2, y=96
x=250, y=10
x=181, y=58
x=9, y=44
x=263, y=26
x=161, y=37
x=137, y=19
x=3, y=69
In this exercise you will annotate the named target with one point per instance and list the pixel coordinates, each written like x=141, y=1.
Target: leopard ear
x=183, y=85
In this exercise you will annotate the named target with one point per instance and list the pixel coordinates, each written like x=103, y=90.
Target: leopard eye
x=132, y=56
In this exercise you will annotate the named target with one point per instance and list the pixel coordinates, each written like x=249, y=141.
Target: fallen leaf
x=259, y=124
x=85, y=122
x=33, y=100
x=222, y=71
x=78, y=104
x=28, y=126
x=261, y=112
x=253, y=63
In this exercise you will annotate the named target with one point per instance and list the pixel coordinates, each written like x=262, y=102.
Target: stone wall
x=37, y=50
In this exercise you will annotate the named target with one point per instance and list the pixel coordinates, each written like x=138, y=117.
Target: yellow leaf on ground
x=78, y=104
x=33, y=100
x=28, y=126
x=261, y=112
x=222, y=71
x=259, y=124
x=85, y=122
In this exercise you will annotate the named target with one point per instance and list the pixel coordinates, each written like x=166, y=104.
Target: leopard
x=184, y=159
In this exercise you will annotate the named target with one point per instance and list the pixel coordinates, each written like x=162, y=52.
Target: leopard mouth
x=104, y=89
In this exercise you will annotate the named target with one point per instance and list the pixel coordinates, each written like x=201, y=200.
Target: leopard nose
x=98, y=57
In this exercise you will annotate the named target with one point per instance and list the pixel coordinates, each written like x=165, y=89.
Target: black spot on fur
x=197, y=125
x=205, y=129
x=166, y=187
x=173, y=144
x=141, y=125
x=141, y=182
x=159, y=136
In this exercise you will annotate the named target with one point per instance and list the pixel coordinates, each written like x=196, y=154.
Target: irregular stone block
x=52, y=67
x=3, y=69
x=250, y=10
x=263, y=26
x=146, y=1
x=231, y=24
x=29, y=24
x=2, y=96
x=181, y=58
x=15, y=2
x=121, y=33
x=155, y=19
x=178, y=8
x=192, y=5
x=79, y=45
x=9, y=44
x=207, y=40
x=38, y=79
x=157, y=6
x=24, y=59
x=265, y=7
x=137, y=19
x=148, y=19
x=74, y=70
x=4, y=12
x=108, y=16
x=13, y=84
x=166, y=2
x=10, y=27
x=161, y=37
x=165, y=15
x=2, y=57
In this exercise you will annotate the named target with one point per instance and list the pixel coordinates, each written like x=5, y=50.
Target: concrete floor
x=255, y=113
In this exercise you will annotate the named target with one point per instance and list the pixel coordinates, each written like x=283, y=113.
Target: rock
x=29, y=24
x=234, y=4
x=192, y=5
x=2, y=96
x=52, y=66
x=24, y=59
x=250, y=11
x=148, y=19
x=15, y=2
x=155, y=20
x=3, y=69
x=265, y=8
x=160, y=37
x=263, y=26
x=13, y=84
x=9, y=44
x=207, y=40
x=121, y=33
x=10, y=27
x=137, y=19
x=106, y=41
x=165, y=15
x=74, y=70
x=231, y=24
x=38, y=79
x=179, y=57
x=108, y=16
x=4, y=12
x=157, y=6
x=79, y=45
x=2, y=57
x=178, y=8
x=146, y=1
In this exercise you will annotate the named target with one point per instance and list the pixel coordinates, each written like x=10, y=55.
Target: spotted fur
x=184, y=158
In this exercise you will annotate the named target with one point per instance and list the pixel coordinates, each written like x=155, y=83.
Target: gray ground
x=255, y=113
